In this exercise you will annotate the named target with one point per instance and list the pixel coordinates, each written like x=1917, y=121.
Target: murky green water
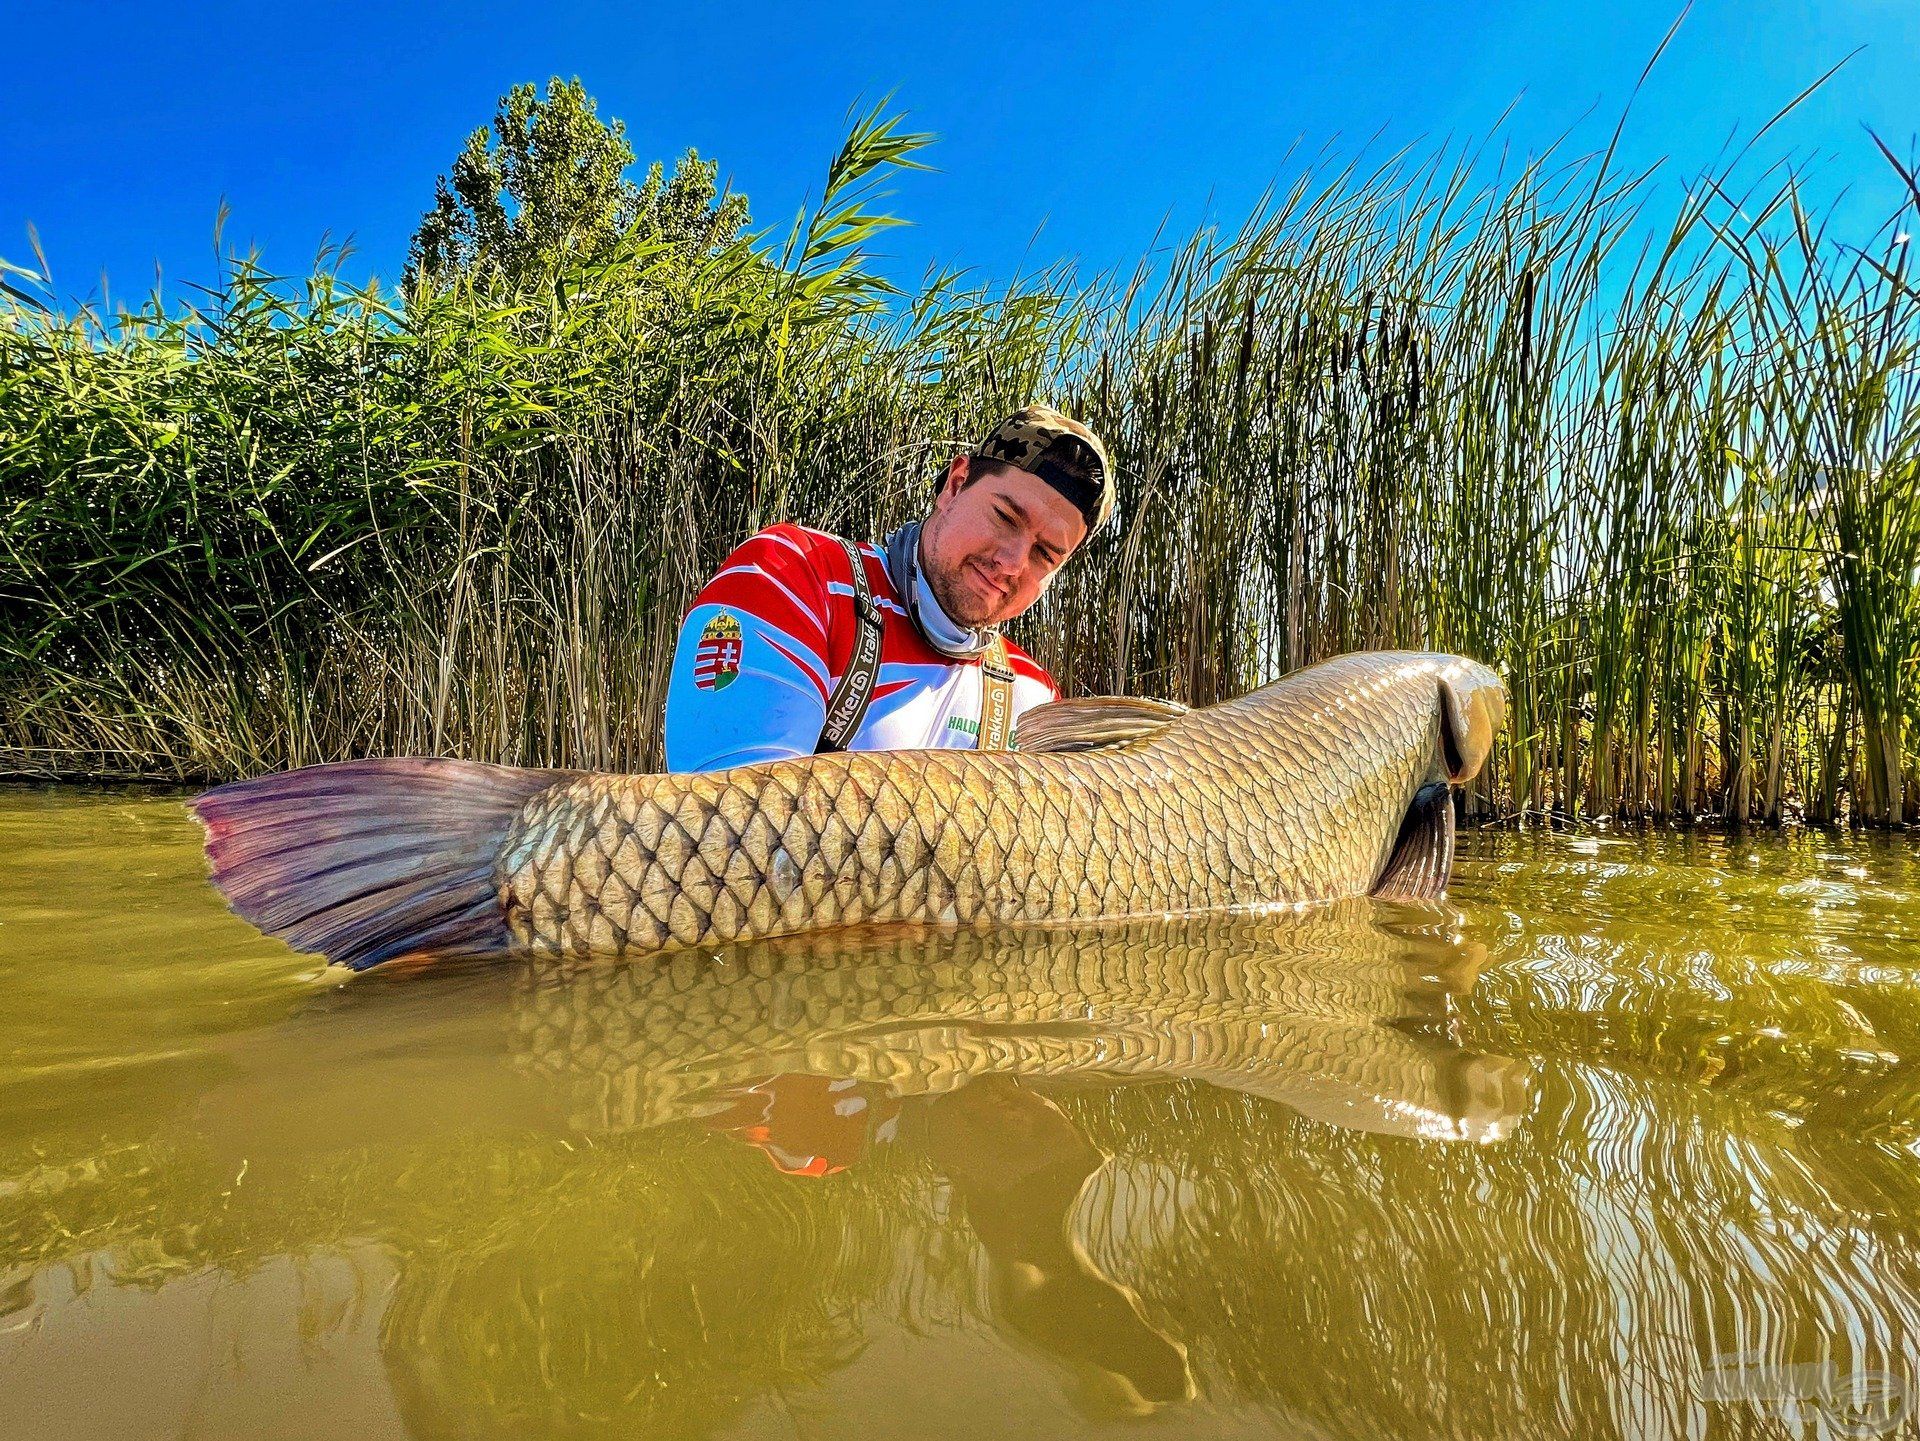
x=1623, y=1143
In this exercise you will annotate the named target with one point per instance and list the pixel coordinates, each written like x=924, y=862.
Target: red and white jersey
x=769, y=637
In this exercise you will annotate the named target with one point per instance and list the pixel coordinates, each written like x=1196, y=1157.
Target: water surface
x=1622, y=1142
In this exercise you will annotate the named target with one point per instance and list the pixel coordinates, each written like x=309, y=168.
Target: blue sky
x=1069, y=131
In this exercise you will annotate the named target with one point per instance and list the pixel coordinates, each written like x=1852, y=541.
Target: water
x=1624, y=1142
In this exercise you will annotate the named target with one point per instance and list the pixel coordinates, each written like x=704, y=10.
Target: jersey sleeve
x=750, y=674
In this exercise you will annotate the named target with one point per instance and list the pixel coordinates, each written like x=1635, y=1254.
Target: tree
x=548, y=180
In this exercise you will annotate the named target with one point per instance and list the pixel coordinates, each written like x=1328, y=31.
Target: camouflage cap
x=1062, y=452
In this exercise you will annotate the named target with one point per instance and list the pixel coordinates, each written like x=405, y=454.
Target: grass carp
x=1331, y=782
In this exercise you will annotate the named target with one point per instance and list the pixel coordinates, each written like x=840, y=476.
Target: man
x=790, y=649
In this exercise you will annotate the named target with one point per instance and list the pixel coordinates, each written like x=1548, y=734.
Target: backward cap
x=1060, y=451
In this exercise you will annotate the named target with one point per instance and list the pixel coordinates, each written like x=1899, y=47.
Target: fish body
x=1294, y=793
x=1331, y=782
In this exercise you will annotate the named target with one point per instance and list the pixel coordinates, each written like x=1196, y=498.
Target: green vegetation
x=1669, y=487
x=549, y=180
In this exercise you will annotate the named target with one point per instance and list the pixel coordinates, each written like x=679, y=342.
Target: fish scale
x=1290, y=794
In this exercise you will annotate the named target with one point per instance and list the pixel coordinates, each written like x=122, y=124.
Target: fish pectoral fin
x=1092, y=722
x=1422, y=858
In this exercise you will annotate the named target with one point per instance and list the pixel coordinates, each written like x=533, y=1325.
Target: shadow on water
x=1358, y=1172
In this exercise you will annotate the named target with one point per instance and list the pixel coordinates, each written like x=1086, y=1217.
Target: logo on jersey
x=716, y=660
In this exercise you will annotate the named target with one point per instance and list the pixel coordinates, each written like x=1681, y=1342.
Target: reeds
x=1663, y=475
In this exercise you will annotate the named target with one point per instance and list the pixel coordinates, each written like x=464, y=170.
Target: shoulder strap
x=996, y=696
x=847, y=706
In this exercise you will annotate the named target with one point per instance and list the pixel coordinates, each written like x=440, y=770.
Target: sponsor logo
x=963, y=725
x=716, y=659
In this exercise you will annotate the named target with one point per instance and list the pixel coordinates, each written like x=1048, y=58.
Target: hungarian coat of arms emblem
x=716, y=660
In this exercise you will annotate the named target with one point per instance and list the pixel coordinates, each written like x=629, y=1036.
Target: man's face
x=994, y=541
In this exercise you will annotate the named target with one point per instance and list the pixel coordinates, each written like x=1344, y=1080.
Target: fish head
x=1469, y=706
x=1368, y=750
x=1473, y=707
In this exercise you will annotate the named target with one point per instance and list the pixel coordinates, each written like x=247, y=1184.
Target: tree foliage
x=547, y=182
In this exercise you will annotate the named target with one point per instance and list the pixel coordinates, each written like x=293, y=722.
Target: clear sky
x=1066, y=131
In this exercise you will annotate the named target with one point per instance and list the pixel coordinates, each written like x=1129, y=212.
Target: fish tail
x=364, y=861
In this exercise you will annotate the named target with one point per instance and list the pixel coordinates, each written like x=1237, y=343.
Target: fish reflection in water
x=969, y=1059
x=958, y=1050
x=1326, y=1011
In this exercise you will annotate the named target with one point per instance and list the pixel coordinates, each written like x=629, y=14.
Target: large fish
x=1332, y=782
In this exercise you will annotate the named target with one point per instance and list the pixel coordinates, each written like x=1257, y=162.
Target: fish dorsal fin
x=1092, y=723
